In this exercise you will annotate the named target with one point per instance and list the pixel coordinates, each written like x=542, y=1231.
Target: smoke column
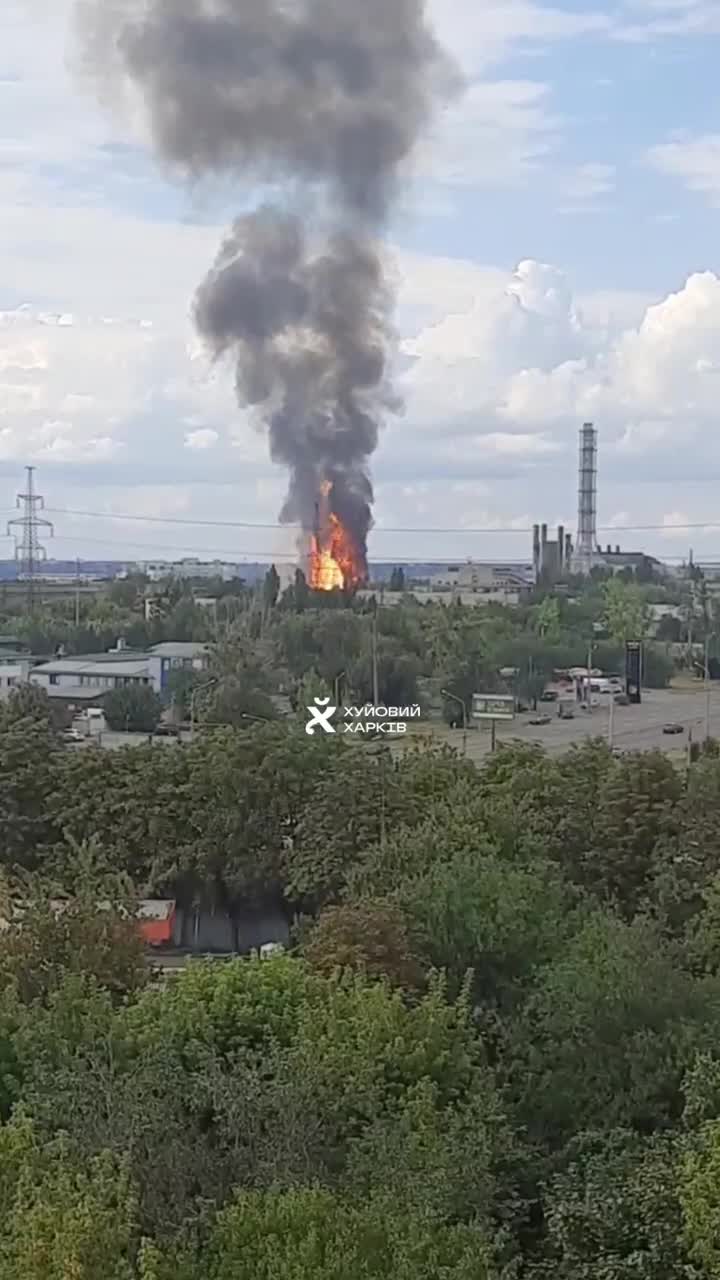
x=325, y=99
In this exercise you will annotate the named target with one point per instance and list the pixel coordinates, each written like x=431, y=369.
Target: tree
x=626, y=615
x=77, y=936
x=61, y=1219
x=608, y=1033
x=615, y=1211
x=133, y=709
x=28, y=748
x=547, y=618
x=477, y=912
x=370, y=937
x=700, y=1197
x=312, y=1234
x=271, y=588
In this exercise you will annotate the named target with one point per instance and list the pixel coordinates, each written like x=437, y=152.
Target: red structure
x=156, y=921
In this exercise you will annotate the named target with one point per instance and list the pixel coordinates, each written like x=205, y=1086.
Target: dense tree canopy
x=490, y=1051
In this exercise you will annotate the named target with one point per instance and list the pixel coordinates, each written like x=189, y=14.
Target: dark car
x=549, y=696
x=166, y=731
x=673, y=728
x=622, y=700
x=539, y=720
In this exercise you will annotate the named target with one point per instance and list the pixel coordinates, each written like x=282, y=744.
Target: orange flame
x=334, y=560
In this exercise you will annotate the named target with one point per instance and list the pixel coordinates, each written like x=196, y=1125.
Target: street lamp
x=207, y=684
x=454, y=698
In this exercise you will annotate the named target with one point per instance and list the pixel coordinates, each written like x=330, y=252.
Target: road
x=634, y=728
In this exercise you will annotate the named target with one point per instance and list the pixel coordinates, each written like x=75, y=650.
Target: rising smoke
x=325, y=98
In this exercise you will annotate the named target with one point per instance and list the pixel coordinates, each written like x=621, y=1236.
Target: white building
x=159, y=570
x=15, y=669
x=79, y=675
x=475, y=576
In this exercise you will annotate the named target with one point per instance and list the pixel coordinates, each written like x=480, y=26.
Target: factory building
x=551, y=558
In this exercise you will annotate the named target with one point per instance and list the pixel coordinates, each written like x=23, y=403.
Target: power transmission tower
x=26, y=529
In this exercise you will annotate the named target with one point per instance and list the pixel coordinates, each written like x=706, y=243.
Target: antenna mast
x=29, y=554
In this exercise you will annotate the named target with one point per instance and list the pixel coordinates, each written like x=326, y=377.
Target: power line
x=426, y=529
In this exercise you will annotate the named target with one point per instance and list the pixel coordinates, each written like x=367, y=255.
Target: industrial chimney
x=536, y=551
x=587, y=492
x=561, y=549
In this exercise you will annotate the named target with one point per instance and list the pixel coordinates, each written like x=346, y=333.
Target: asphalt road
x=634, y=728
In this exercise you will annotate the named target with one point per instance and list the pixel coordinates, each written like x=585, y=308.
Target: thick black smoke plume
x=328, y=98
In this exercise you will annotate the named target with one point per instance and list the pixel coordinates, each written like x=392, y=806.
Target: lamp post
x=454, y=698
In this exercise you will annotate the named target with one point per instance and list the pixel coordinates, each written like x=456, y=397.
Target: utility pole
x=707, y=685
x=376, y=694
x=611, y=719
x=29, y=554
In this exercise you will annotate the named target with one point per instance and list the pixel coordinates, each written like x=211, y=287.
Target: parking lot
x=638, y=728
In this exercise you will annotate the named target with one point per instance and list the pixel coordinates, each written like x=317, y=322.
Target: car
x=621, y=700
x=166, y=731
x=72, y=735
x=549, y=696
x=539, y=720
x=673, y=728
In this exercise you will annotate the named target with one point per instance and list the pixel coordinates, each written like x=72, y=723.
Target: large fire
x=333, y=558
x=335, y=562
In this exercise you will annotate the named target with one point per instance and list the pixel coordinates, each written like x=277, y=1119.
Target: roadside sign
x=493, y=706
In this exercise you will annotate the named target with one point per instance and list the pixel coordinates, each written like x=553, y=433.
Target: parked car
x=622, y=700
x=673, y=728
x=72, y=735
x=167, y=731
x=539, y=720
x=549, y=695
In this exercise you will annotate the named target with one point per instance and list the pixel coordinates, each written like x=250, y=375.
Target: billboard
x=633, y=671
x=493, y=706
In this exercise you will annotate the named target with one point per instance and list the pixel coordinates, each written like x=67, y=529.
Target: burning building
x=322, y=101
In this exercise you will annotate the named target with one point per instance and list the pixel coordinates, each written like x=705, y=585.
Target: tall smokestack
x=324, y=99
x=587, y=486
x=561, y=547
x=536, y=549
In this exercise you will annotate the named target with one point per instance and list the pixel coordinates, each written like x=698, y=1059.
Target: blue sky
x=556, y=256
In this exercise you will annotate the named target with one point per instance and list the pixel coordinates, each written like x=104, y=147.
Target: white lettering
x=393, y=712
x=352, y=712
x=380, y=712
x=415, y=712
x=402, y=728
